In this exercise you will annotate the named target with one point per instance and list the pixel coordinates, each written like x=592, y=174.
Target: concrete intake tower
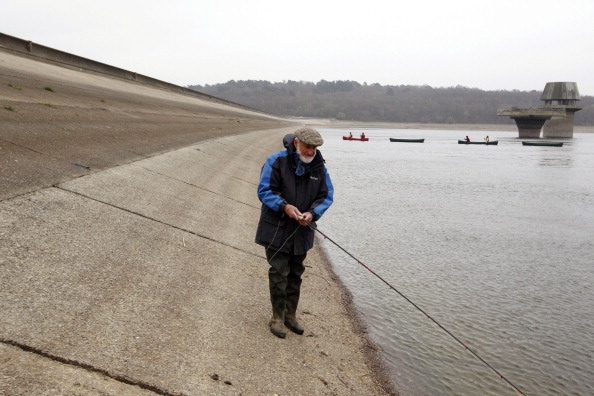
x=555, y=118
x=565, y=95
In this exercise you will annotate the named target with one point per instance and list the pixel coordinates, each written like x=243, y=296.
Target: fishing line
x=415, y=305
x=284, y=243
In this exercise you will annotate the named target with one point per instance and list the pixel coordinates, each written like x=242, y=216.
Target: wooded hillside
x=349, y=100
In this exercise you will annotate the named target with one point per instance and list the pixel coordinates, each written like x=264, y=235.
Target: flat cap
x=309, y=136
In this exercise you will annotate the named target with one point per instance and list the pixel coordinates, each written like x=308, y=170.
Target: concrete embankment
x=137, y=273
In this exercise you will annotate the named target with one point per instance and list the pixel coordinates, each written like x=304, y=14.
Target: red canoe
x=354, y=138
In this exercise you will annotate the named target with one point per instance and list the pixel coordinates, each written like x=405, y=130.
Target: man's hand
x=307, y=216
x=294, y=213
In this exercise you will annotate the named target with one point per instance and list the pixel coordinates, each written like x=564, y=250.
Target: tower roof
x=560, y=91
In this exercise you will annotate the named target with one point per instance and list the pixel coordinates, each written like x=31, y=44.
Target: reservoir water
x=496, y=243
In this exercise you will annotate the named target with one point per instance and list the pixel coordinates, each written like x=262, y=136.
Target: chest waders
x=284, y=280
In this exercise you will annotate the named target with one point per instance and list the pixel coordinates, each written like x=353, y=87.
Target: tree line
x=350, y=100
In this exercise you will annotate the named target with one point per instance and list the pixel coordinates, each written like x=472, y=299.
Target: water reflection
x=556, y=162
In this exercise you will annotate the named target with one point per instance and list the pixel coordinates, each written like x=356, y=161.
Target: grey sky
x=492, y=45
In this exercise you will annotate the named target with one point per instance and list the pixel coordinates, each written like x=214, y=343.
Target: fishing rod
x=413, y=304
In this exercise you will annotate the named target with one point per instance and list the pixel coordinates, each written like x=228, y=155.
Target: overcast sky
x=491, y=45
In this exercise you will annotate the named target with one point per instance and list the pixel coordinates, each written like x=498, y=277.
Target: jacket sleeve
x=324, y=198
x=268, y=191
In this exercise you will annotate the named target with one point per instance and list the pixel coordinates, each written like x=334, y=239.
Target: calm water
x=494, y=242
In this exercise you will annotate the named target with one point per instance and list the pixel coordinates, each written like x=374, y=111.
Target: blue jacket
x=310, y=192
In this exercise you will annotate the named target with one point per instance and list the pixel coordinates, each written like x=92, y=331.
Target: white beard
x=305, y=160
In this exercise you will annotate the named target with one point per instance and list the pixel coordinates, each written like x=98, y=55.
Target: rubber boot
x=276, y=325
x=293, y=290
x=290, y=315
x=278, y=298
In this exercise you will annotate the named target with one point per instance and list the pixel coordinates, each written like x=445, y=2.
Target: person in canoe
x=487, y=139
x=467, y=138
x=350, y=135
x=363, y=135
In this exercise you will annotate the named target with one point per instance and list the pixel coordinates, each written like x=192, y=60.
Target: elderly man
x=295, y=189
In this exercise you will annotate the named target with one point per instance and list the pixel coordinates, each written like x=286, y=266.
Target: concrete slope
x=136, y=273
x=58, y=123
x=147, y=274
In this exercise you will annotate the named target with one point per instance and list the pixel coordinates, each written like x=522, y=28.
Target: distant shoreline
x=329, y=123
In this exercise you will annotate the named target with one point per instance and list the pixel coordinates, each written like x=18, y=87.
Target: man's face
x=306, y=152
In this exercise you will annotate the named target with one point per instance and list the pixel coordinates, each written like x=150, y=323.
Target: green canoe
x=490, y=143
x=550, y=144
x=407, y=140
